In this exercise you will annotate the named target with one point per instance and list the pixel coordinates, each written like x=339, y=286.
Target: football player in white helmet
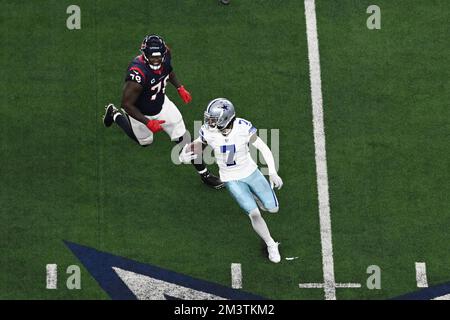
x=230, y=137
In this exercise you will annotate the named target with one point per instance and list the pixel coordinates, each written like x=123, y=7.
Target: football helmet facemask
x=154, y=51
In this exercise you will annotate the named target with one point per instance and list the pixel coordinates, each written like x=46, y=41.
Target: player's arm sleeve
x=265, y=151
x=248, y=127
x=252, y=130
x=135, y=74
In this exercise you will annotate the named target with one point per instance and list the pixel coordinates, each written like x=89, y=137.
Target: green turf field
x=386, y=108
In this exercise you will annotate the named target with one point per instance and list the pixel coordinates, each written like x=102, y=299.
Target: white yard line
x=236, y=276
x=421, y=275
x=320, y=151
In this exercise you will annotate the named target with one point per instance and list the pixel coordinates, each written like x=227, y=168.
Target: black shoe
x=211, y=180
x=108, y=117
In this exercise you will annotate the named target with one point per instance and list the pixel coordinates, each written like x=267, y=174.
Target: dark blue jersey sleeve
x=136, y=74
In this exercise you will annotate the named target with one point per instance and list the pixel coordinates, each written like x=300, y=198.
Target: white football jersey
x=232, y=151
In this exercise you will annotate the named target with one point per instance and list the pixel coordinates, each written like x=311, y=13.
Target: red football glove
x=155, y=125
x=184, y=94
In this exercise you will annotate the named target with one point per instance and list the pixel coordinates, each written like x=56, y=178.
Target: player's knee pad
x=146, y=141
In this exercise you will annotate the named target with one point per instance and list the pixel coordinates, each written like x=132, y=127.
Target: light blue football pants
x=244, y=190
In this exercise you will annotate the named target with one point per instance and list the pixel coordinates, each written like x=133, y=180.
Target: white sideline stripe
x=321, y=285
x=52, y=276
x=236, y=276
x=320, y=151
x=421, y=275
x=446, y=297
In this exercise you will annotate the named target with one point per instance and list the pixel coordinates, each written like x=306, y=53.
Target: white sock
x=260, y=227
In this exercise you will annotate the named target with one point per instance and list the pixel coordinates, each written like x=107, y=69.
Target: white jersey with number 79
x=232, y=151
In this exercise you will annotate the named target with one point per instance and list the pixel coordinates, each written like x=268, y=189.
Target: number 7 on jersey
x=231, y=150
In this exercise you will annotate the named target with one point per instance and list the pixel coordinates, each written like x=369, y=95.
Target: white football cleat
x=274, y=254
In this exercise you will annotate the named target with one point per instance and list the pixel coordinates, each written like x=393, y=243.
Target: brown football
x=195, y=147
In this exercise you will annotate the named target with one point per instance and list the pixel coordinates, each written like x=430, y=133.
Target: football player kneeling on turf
x=146, y=108
x=230, y=137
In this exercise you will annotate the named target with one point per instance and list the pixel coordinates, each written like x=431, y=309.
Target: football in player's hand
x=195, y=147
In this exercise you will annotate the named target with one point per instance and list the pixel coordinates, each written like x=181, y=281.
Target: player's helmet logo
x=219, y=113
x=154, y=50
